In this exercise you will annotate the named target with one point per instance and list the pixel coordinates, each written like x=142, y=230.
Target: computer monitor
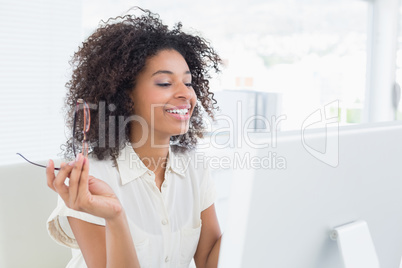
x=281, y=214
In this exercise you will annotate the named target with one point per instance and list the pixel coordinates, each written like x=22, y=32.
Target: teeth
x=178, y=111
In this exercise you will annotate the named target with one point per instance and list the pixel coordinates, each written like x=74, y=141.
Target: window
x=310, y=52
x=37, y=41
x=398, y=76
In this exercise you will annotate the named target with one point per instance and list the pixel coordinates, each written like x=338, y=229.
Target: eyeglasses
x=86, y=122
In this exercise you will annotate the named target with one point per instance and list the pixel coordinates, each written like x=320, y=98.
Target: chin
x=179, y=132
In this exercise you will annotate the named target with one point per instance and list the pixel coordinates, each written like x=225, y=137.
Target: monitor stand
x=355, y=245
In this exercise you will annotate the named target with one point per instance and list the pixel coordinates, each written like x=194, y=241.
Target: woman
x=141, y=198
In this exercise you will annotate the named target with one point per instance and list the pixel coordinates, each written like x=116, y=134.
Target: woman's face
x=163, y=95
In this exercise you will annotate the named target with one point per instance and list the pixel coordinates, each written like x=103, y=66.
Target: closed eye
x=188, y=84
x=164, y=84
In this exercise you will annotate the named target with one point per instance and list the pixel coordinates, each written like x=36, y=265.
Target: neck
x=152, y=152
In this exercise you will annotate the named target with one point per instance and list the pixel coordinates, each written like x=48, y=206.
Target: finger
x=75, y=179
x=50, y=174
x=59, y=182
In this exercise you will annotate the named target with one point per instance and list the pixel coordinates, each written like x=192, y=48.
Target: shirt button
x=164, y=185
x=164, y=222
x=167, y=259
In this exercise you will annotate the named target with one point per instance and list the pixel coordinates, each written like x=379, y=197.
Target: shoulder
x=199, y=172
x=194, y=166
x=193, y=163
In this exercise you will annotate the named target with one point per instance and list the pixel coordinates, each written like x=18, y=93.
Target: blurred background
x=304, y=53
x=282, y=59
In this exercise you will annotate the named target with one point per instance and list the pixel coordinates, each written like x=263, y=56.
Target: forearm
x=120, y=250
x=213, y=256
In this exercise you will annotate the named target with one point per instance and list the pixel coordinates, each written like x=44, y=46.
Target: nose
x=184, y=92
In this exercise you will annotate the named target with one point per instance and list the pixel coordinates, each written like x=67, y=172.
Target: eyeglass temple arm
x=34, y=163
x=74, y=123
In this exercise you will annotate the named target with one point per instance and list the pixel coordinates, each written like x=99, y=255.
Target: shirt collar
x=131, y=167
x=176, y=162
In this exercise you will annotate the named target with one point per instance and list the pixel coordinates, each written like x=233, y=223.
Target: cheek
x=194, y=97
x=148, y=104
x=193, y=104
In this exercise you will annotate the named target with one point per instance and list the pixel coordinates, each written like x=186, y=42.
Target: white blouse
x=165, y=225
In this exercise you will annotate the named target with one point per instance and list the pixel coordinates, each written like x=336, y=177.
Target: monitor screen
x=289, y=196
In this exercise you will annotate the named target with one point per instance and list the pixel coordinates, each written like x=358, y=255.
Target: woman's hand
x=84, y=193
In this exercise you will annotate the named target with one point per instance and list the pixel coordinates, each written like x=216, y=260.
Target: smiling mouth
x=178, y=111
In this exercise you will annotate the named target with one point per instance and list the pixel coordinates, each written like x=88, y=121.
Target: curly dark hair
x=105, y=69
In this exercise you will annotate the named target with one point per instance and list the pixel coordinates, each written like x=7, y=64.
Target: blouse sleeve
x=57, y=224
x=58, y=227
x=209, y=195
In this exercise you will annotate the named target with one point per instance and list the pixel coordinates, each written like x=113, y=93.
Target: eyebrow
x=167, y=72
